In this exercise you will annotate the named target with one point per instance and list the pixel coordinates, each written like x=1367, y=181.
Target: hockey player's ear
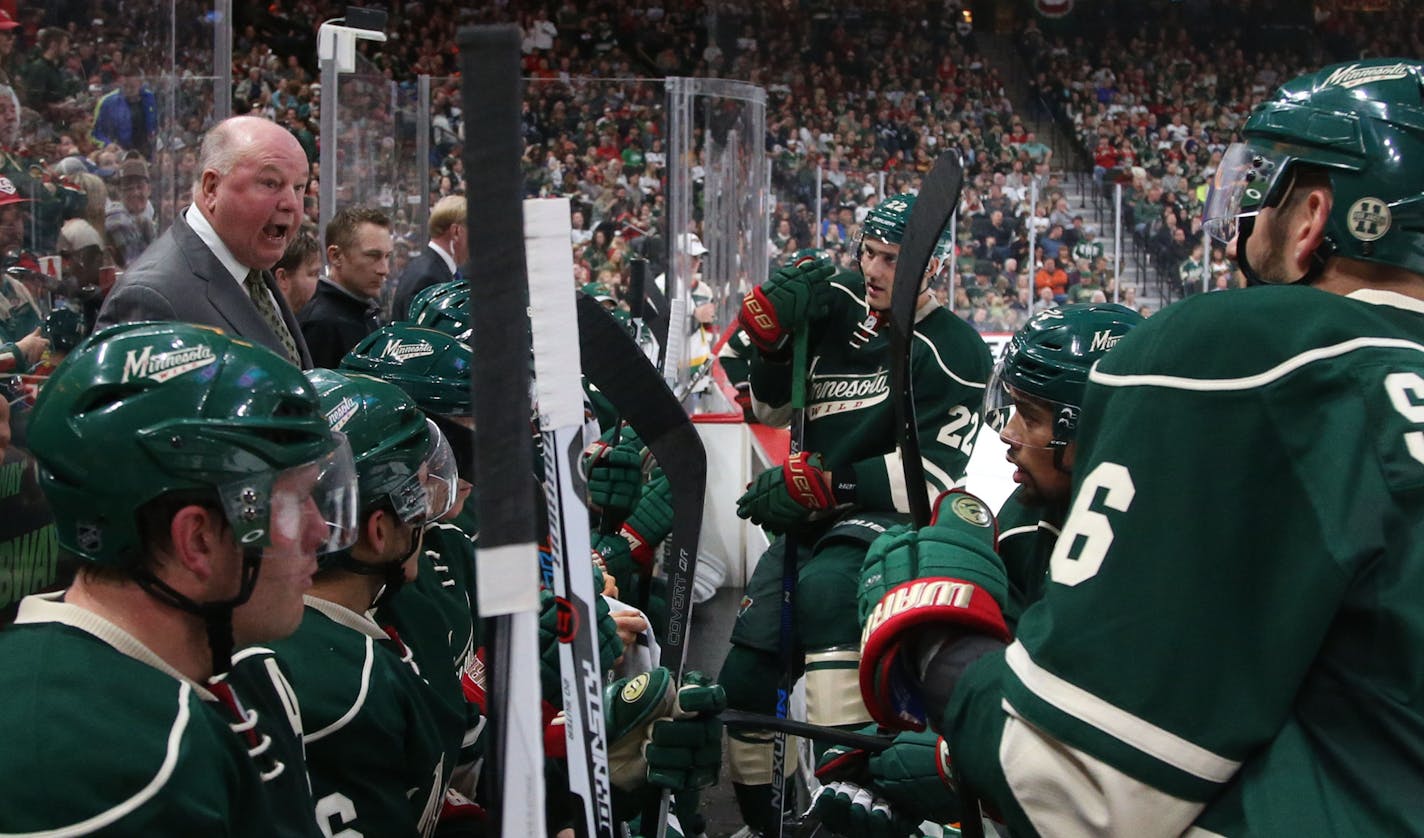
x=1306, y=224
x=200, y=538
x=377, y=532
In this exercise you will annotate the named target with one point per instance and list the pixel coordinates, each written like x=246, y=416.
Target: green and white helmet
x=886, y=222
x=445, y=308
x=1049, y=359
x=403, y=461
x=1362, y=124
x=432, y=367
x=141, y=412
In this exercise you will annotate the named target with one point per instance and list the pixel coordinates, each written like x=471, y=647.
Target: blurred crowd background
x=99, y=142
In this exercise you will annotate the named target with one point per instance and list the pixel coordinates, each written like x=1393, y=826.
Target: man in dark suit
x=346, y=306
x=213, y=266
x=447, y=251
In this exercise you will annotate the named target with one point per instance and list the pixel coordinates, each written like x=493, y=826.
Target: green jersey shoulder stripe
x=1252, y=382
x=934, y=350
x=347, y=618
x=143, y=795
x=1028, y=529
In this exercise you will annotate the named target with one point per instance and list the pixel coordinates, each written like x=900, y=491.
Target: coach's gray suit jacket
x=179, y=278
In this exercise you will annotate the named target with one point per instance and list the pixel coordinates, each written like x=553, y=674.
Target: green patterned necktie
x=257, y=290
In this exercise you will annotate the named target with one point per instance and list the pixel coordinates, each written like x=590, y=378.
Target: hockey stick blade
x=939, y=195
x=935, y=205
x=614, y=364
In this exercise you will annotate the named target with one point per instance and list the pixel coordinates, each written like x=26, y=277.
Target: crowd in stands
x=860, y=99
x=1153, y=93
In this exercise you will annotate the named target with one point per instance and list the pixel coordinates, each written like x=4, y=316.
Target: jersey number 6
x=1088, y=533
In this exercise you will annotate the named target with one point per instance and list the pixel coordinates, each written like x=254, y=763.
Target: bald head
x=252, y=175
x=230, y=139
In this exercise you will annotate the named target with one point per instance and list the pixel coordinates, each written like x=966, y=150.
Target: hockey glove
x=846, y=807
x=789, y=299
x=945, y=579
x=785, y=497
x=554, y=625
x=889, y=792
x=615, y=479
x=631, y=551
x=662, y=735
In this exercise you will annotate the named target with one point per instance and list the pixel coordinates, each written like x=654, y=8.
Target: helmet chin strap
x=1318, y=258
x=216, y=616
x=393, y=570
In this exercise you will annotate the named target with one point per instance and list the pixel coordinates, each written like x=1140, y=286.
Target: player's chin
x=290, y=619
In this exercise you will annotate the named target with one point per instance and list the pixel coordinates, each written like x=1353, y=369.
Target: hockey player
x=220, y=483
x=434, y=615
x=1250, y=671
x=1034, y=399
x=847, y=485
x=381, y=745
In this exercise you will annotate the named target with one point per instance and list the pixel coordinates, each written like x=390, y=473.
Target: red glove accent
x=848, y=764
x=934, y=600
x=472, y=680
x=758, y=319
x=458, y=808
x=556, y=742
x=638, y=547
x=944, y=765
x=807, y=483
x=744, y=396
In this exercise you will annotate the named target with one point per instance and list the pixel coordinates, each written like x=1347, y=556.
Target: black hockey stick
x=507, y=564
x=786, y=635
x=638, y=307
x=792, y=727
x=615, y=364
x=939, y=195
x=938, y=198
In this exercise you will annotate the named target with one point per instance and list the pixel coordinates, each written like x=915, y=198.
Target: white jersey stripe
x=1251, y=382
x=1067, y=793
x=1118, y=723
x=356, y=705
x=978, y=385
x=165, y=771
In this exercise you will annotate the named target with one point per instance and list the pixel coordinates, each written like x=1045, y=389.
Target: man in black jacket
x=346, y=305
x=442, y=257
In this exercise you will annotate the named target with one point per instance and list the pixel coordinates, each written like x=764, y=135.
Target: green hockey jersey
x=1026, y=538
x=264, y=713
x=434, y=617
x=850, y=410
x=102, y=737
x=380, y=744
x=1229, y=640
